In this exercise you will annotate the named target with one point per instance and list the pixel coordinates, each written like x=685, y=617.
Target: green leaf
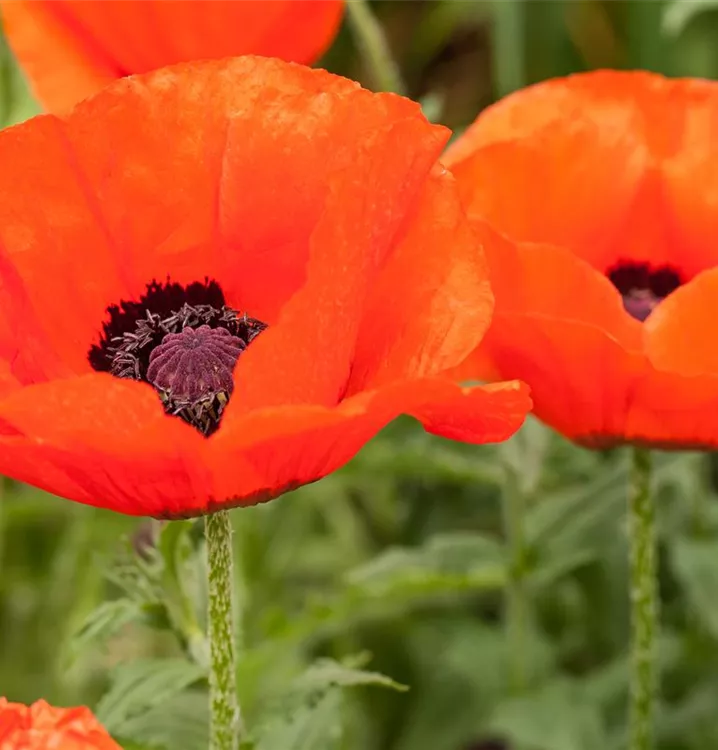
x=524, y=455
x=103, y=623
x=679, y=13
x=695, y=564
x=557, y=716
x=327, y=673
x=553, y=567
x=568, y=518
x=144, y=684
x=460, y=669
x=308, y=727
x=16, y=102
x=446, y=563
x=180, y=723
x=308, y=715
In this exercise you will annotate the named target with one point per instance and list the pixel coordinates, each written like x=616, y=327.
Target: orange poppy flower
x=597, y=197
x=295, y=225
x=70, y=49
x=40, y=726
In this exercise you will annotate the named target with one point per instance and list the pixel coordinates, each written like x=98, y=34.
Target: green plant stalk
x=225, y=718
x=516, y=604
x=508, y=55
x=646, y=46
x=374, y=48
x=644, y=602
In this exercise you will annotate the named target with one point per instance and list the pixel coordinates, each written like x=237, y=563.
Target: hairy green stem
x=644, y=602
x=225, y=719
x=374, y=48
x=516, y=605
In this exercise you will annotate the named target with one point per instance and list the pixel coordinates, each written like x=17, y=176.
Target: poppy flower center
x=182, y=340
x=643, y=286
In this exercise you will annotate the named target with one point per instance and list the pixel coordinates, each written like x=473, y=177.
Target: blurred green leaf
x=102, y=623
x=677, y=14
x=141, y=685
x=306, y=727
x=179, y=723
x=328, y=673
x=462, y=671
x=551, y=568
x=570, y=517
x=16, y=102
x=695, y=562
x=555, y=717
x=450, y=562
x=308, y=716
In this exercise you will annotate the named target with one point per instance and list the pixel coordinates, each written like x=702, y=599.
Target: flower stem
x=374, y=48
x=644, y=601
x=225, y=719
x=516, y=605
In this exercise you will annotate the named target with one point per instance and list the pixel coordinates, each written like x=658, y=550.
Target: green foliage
x=308, y=715
x=142, y=685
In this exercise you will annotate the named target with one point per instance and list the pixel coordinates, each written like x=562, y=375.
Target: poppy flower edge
x=299, y=200
x=599, y=209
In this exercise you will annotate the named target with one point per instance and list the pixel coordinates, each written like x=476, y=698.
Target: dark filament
x=643, y=287
x=184, y=341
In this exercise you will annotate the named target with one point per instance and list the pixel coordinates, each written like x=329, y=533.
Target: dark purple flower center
x=643, y=286
x=197, y=361
x=182, y=340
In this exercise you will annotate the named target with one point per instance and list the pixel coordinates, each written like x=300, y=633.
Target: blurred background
x=401, y=557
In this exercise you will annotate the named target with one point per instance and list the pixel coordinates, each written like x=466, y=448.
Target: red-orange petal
x=290, y=446
x=432, y=302
x=560, y=326
x=58, y=270
x=41, y=726
x=676, y=331
x=237, y=193
x=70, y=49
x=251, y=172
x=572, y=187
x=608, y=100
x=690, y=183
x=674, y=411
x=548, y=281
x=105, y=442
x=611, y=164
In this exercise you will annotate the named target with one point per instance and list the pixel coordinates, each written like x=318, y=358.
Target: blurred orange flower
x=41, y=727
x=597, y=198
x=264, y=215
x=70, y=49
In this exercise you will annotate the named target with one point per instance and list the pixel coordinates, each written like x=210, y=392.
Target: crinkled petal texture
x=565, y=180
x=319, y=209
x=41, y=726
x=70, y=49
